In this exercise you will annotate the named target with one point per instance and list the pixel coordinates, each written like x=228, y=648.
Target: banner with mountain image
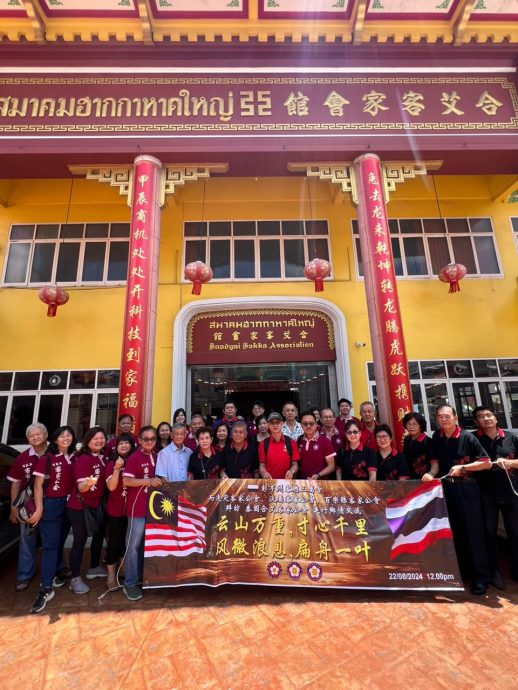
x=357, y=535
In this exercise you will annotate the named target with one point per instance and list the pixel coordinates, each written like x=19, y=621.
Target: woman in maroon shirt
x=90, y=479
x=53, y=482
x=116, y=507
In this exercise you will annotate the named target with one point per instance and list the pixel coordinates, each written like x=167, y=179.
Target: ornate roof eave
x=358, y=30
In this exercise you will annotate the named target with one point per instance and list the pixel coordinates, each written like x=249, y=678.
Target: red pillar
x=386, y=330
x=138, y=341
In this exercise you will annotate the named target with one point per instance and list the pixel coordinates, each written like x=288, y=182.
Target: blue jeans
x=134, y=562
x=51, y=526
x=26, y=554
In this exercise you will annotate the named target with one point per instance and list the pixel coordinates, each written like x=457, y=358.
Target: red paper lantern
x=54, y=296
x=198, y=273
x=317, y=270
x=451, y=274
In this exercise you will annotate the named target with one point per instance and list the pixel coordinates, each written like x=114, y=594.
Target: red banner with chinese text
x=364, y=535
x=390, y=360
x=138, y=334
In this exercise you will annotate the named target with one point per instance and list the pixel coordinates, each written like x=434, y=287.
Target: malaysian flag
x=418, y=520
x=174, y=526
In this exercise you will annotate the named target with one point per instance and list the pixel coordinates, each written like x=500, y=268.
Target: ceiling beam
x=357, y=20
x=460, y=20
x=146, y=21
x=36, y=19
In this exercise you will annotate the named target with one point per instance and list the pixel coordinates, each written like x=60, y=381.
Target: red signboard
x=237, y=105
x=260, y=335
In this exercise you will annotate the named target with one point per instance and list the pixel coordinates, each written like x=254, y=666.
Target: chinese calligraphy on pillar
x=140, y=309
x=390, y=361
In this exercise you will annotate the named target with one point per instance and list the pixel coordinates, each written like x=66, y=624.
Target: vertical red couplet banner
x=388, y=343
x=136, y=376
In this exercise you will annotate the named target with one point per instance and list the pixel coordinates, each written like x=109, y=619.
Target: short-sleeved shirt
x=139, y=465
x=87, y=465
x=416, y=454
x=367, y=437
x=313, y=454
x=61, y=474
x=393, y=467
x=190, y=441
x=459, y=449
x=203, y=467
x=111, y=447
x=296, y=433
x=173, y=463
x=340, y=423
x=116, y=501
x=277, y=460
x=240, y=464
x=357, y=463
x=495, y=481
x=23, y=467
x=337, y=439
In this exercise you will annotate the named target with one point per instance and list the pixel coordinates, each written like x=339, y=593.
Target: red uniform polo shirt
x=313, y=454
x=277, y=460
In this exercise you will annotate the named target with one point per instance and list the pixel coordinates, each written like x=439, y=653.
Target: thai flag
x=181, y=534
x=418, y=520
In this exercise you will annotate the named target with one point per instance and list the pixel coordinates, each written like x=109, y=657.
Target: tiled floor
x=252, y=637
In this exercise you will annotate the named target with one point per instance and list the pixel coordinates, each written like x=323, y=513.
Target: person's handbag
x=25, y=504
x=93, y=517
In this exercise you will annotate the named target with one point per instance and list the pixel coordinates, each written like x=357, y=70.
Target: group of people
x=101, y=489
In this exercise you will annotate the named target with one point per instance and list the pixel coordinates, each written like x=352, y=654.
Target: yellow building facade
x=470, y=332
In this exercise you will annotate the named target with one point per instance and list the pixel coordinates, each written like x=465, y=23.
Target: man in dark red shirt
x=124, y=426
x=344, y=414
x=367, y=425
x=457, y=453
x=498, y=489
x=276, y=462
x=317, y=455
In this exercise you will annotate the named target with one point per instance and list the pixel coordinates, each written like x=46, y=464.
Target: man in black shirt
x=239, y=459
x=499, y=488
x=457, y=453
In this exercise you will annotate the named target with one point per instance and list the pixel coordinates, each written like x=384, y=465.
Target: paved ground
x=255, y=638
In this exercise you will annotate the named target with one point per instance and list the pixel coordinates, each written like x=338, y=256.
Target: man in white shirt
x=291, y=427
x=173, y=460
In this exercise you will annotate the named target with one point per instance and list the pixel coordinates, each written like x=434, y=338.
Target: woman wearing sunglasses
x=356, y=461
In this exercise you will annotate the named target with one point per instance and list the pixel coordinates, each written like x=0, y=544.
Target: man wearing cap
x=275, y=459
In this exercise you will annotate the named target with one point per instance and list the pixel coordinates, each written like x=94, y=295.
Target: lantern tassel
x=196, y=288
x=52, y=309
x=319, y=285
x=454, y=287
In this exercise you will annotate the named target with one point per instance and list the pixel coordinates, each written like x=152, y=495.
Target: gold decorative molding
x=171, y=176
x=395, y=173
x=115, y=177
x=342, y=174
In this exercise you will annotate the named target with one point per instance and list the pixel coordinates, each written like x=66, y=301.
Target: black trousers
x=467, y=524
x=507, y=503
x=116, y=529
x=76, y=552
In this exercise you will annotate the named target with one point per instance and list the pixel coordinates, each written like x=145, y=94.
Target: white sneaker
x=100, y=571
x=78, y=586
